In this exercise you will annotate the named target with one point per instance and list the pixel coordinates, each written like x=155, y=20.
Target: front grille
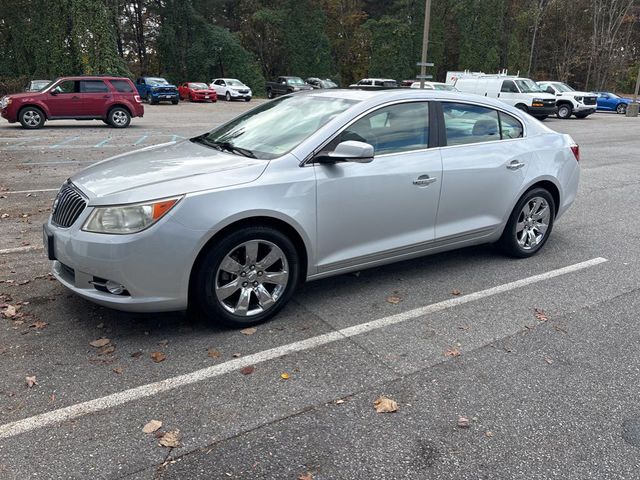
x=67, y=206
x=166, y=90
x=549, y=103
x=243, y=91
x=589, y=100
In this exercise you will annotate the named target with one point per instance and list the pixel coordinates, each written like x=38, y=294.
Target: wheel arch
x=40, y=107
x=260, y=220
x=119, y=104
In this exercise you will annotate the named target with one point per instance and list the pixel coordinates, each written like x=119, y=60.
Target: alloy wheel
x=119, y=118
x=533, y=223
x=32, y=118
x=251, y=278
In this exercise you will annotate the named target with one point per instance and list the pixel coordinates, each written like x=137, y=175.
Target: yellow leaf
x=152, y=426
x=284, y=376
x=385, y=405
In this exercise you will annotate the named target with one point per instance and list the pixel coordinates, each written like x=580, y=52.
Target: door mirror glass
x=349, y=151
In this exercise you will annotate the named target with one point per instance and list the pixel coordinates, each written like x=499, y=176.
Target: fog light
x=114, y=287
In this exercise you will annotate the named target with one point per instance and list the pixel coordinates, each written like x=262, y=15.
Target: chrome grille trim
x=68, y=206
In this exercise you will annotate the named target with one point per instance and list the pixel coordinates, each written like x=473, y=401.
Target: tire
x=564, y=111
x=227, y=97
x=150, y=100
x=582, y=115
x=225, y=306
x=269, y=93
x=542, y=117
x=119, y=117
x=621, y=108
x=248, y=99
x=31, y=118
x=515, y=241
x=174, y=101
x=522, y=107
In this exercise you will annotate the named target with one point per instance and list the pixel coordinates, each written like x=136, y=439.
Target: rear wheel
x=582, y=115
x=247, y=277
x=31, y=118
x=564, y=111
x=529, y=225
x=119, y=117
x=621, y=108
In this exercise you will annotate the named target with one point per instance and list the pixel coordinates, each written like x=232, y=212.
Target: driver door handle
x=424, y=180
x=515, y=165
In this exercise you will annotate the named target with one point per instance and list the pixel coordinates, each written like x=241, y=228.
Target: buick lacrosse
x=304, y=187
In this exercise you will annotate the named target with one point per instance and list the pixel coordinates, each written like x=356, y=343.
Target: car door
x=386, y=208
x=509, y=92
x=483, y=169
x=95, y=95
x=64, y=99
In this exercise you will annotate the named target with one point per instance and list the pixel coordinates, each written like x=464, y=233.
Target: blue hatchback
x=610, y=102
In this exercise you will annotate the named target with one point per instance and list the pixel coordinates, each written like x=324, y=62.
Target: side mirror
x=349, y=151
x=53, y=91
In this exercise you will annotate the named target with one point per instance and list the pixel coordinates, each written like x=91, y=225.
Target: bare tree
x=539, y=9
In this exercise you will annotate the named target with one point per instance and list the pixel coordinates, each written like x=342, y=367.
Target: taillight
x=137, y=98
x=576, y=151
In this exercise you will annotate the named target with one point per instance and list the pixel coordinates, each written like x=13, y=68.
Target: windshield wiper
x=225, y=146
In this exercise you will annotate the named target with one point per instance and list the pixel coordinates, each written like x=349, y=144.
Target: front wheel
x=247, y=277
x=269, y=93
x=582, y=115
x=564, y=111
x=227, y=97
x=621, y=108
x=175, y=101
x=248, y=99
x=31, y=118
x=542, y=117
x=529, y=225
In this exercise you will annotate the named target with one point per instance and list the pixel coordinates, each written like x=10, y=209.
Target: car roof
x=92, y=77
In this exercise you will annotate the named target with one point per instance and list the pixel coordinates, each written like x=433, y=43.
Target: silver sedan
x=304, y=187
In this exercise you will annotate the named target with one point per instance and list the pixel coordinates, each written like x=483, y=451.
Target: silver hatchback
x=303, y=187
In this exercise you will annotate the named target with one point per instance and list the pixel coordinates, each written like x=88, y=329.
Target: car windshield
x=39, y=85
x=198, y=86
x=328, y=84
x=235, y=83
x=295, y=81
x=276, y=127
x=448, y=88
x=528, y=86
x=563, y=87
x=156, y=81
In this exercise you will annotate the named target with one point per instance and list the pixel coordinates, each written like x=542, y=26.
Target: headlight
x=578, y=99
x=5, y=102
x=123, y=219
x=537, y=100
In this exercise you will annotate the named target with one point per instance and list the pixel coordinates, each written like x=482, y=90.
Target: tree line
x=591, y=44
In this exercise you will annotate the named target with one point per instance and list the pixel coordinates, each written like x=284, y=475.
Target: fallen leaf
x=213, y=353
x=339, y=402
x=158, y=357
x=305, y=476
x=152, y=426
x=31, y=381
x=117, y=370
x=107, y=349
x=394, y=299
x=171, y=439
x=548, y=360
x=464, y=422
x=540, y=314
x=4, y=215
x=100, y=325
x=488, y=434
x=101, y=342
x=23, y=282
x=39, y=325
x=248, y=370
x=9, y=311
x=137, y=354
x=456, y=292
x=163, y=342
x=452, y=352
x=464, y=328
x=249, y=331
x=236, y=355
x=385, y=405
x=284, y=376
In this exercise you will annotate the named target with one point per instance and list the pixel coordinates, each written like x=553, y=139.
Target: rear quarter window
x=510, y=127
x=122, y=86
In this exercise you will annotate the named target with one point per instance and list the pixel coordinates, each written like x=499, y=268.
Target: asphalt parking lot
x=540, y=355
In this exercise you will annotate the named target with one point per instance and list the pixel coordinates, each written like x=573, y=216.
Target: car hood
x=578, y=94
x=15, y=96
x=164, y=170
x=164, y=85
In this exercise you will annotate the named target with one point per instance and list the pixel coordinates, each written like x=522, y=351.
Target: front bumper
x=154, y=265
x=543, y=111
x=585, y=109
x=7, y=114
x=165, y=95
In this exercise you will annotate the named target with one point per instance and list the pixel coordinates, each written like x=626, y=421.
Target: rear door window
x=466, y=123
x=93, y=86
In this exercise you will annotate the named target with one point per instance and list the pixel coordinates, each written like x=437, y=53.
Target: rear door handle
x=515, y=165
x=424, y=180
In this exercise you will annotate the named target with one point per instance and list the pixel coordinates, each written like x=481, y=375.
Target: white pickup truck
x=569, y=101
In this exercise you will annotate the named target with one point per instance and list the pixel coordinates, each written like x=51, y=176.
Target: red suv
x=114, y=100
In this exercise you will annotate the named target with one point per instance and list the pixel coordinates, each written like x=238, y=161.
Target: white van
x=522, y=93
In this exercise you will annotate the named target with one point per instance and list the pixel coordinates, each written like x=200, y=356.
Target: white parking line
x=28, y=248
x=144, y=391
x=32, y=191
x=65, y=141
x=103, y=142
